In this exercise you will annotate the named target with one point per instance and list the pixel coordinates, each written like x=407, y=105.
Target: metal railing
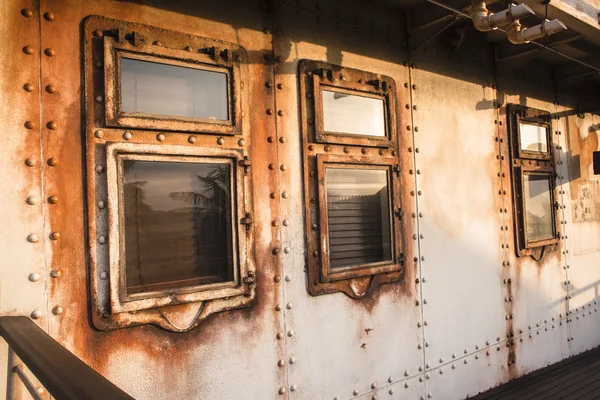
x=61, y=373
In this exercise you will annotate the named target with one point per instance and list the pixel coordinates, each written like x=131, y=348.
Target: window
x=533, y=178
x=176, y=230
x=152, y=86
x=346, y=112
x=352, y=178
x=169, y=203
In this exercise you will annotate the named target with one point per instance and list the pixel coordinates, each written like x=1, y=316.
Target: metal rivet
x=285, y=222
x=281, y=140
x=279, y=336
x=50, y=88
x=346, y=150
x=101, y=239
x=33, y=238
x=28, y=87
x=241, y=142
x=49, y=16
x=281, y=363
x=282, y=390
x=293, y=388
x=192, y=139
x=30, y=162
x=98, y=33
x=290, y=333
x=34, y=277
x=269, y=111
x=406, y=385
x=280, y=113
x=99, y=99
x=27, y=12
x=28, y=50
x=54, y=235
x=29, y=125
x=284, y=195
x=36, y=314
x=103, y=275
x=292, y=360
x=373, y=385
x=99, y=134
x=286, y=250
x=52, y=125
x=55, y=273
x=57, y=310
x=283, y=168
x=220, y=141
x=355, y=392
x=31, y=200
x=101, y=204
x=160, y=137
x=53, y=162
x=287, y=278
x=127, y=135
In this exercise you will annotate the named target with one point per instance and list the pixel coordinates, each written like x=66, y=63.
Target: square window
x=539, y=217
x=177, y=224
x=533, y=137
x=358, y=217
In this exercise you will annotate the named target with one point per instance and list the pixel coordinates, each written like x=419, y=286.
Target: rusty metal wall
x=468, y=315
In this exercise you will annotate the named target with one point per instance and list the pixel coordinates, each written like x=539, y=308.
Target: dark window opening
x=178, y=224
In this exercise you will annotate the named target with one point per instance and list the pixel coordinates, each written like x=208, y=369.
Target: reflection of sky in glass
x=537, y=204
x=533, y=137
x=161, y=89
x=354, y=182
x=163, y=178
x=351, y=114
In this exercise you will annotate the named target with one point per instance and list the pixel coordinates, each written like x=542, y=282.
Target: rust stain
x=580, y=155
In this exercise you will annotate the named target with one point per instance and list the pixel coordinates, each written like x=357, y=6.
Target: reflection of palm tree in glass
x=210, y=212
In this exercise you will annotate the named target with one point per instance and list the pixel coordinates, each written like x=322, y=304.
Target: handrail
x=62, y=373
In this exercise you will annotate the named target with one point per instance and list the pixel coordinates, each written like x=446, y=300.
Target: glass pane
x=533, y=137
x=354, y=115
x=358, y=211
x=177, y=224
x=538, y=207
x=161, y=89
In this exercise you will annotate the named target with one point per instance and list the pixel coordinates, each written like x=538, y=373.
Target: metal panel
x=460, y=211
x=341, y=346
x=230, y=355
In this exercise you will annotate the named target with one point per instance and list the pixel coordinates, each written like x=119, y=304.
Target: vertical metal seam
x=278, y=197
x=416, y=203
x=42, y=167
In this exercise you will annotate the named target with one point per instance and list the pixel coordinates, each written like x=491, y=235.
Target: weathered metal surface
x=463, y=292
x=211, y=361
x=461, y=210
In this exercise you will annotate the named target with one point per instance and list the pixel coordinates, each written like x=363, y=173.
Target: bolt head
x=160, y=137
x=33, y=238
x=55, y=273
x=36, y=314
x=34, y=277
x=53, y=199
x=57, y=310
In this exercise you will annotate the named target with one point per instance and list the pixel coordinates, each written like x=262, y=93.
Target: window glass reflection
x=178, y=229
x=161, y=89
x=358, y=216
x=352, y=114
x=533, y=137
x=538, y=206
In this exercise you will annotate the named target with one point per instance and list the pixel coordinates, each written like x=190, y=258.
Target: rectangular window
x=358, y=215
x=359, y=227
x=177, y=218
x=351, y=114
x=533, y=179
x=150, y=86
x=538, y=206
x=533, y=137
x=170, y=90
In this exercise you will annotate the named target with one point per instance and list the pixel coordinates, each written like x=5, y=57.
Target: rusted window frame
x=373, y=86
x=210, y=59
x=529, y=162
x=361, y=281
x=120, y=300
x=357, y=271
x=177, y=139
